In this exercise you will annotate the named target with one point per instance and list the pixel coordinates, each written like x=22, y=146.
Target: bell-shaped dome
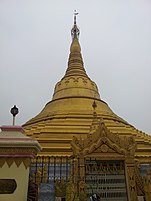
x=70, y=111
x=75, y=92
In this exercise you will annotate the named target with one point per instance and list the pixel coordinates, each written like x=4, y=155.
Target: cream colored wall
x=21, y=175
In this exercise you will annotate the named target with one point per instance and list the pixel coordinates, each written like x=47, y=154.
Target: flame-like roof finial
x=75, y=31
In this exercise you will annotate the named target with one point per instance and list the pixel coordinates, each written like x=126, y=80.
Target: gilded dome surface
x=70, y=112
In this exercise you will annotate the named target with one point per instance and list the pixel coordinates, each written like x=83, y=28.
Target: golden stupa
x=70, y=112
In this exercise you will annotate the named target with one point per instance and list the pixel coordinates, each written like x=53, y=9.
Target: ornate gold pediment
x=101, y=140
x=103, y=145
x=104, y=148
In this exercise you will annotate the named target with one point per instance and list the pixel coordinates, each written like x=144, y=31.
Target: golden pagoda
x=78, y=123
x=70, y=111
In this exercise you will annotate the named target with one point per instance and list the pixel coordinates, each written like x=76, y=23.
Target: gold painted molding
x=17, y=161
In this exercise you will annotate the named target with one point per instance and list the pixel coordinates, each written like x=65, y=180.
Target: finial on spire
x=75, y=31
x=95, y=120
x=75, y=14
x=94, y=105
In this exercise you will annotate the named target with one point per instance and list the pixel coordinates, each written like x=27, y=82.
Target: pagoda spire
x=75, y=82
x=75, y=62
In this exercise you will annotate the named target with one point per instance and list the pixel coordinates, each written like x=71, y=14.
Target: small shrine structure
x=16, y=152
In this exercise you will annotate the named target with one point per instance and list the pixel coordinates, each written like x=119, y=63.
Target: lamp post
x=14, y=111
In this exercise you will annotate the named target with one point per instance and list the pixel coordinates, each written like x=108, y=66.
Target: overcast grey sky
x=116, y=46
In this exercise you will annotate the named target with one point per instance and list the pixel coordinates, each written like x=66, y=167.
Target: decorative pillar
x=130, y=179
x=16, y=152
x=147, y=186
x=81, y=182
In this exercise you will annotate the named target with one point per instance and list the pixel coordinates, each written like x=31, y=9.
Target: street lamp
x=14, y=111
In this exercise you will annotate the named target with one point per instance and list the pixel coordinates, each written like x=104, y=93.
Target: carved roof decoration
x=102, y=137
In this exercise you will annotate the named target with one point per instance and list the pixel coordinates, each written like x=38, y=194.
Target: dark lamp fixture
x=14, y=111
